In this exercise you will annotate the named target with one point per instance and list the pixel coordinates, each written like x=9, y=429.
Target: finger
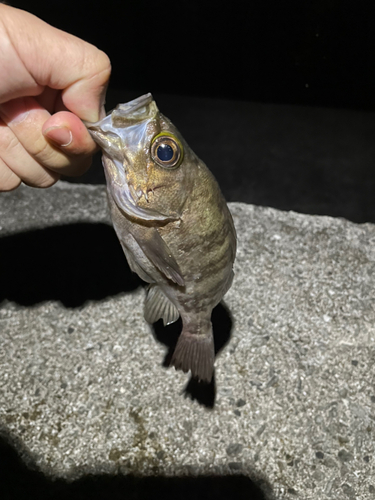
x=78, y=68
x=16, y=164
x=19, y=81
x=67, y=132
x=82, y=144
x=27, y=119
x=8, y=179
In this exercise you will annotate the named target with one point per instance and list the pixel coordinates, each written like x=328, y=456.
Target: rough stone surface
x=83, y=388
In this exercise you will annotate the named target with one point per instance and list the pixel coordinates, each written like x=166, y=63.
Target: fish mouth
x=113, y=127
x=127, y=197
x=126, y=109
x=134, y=107
x=138, y=192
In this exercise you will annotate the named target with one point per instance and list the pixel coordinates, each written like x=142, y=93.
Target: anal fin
x=158, y=306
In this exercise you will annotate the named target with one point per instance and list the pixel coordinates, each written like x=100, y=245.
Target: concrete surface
x=84, y=389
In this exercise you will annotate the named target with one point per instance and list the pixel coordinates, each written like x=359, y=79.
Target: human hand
x=50, y=80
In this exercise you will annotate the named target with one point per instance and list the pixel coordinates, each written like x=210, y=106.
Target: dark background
x=311, y=52
x=277, y=97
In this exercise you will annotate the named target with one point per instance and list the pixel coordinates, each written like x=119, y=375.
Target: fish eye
x=166, y=150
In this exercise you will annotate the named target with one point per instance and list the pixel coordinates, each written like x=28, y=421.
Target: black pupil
x=165, y=152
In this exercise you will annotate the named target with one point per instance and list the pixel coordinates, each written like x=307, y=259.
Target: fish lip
x=124, y=109
x=134, y=105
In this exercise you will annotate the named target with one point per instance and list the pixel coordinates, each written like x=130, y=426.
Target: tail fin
x=195, y=352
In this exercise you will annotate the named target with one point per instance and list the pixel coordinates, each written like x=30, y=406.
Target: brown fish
x=173, y=224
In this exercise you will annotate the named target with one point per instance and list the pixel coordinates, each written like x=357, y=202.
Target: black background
x=308, y=143
x=312, y=52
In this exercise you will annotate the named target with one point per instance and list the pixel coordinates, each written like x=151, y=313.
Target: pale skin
x=50, y=81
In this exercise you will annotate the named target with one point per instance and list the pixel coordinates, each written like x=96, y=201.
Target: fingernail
x=14, y=111
x=62, y=136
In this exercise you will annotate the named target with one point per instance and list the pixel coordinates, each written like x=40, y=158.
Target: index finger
x=55, y=59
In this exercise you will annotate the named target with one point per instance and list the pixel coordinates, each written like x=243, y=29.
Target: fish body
x=173, y=224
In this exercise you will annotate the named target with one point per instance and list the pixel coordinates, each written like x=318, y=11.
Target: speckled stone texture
x=83, y=385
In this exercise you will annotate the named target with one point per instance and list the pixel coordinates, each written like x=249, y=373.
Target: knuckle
x=47, y=182
x=11, y=185
x=8, y=179
x=104, y=63
x=43, y=179
x=8, y=142
x=47, y=156
x=97, y=64
x=107, y=66
x=41, y=151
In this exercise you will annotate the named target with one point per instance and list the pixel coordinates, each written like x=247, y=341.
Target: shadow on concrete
x=201, y=392
x=222, y=323
x=71, y=263
x=18, y=482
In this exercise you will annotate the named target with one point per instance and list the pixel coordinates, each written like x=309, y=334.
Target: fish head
x=148, y=166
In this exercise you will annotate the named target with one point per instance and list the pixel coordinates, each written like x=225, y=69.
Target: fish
x=173, y=224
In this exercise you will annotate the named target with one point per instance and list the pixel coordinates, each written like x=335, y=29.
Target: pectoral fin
x=134, y=266
x=157, y=306
x=158, y=252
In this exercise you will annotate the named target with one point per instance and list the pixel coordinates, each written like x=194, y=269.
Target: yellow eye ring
x=166, y=150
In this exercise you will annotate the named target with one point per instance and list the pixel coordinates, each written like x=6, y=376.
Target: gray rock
x=234, y=448
x=84, y=389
